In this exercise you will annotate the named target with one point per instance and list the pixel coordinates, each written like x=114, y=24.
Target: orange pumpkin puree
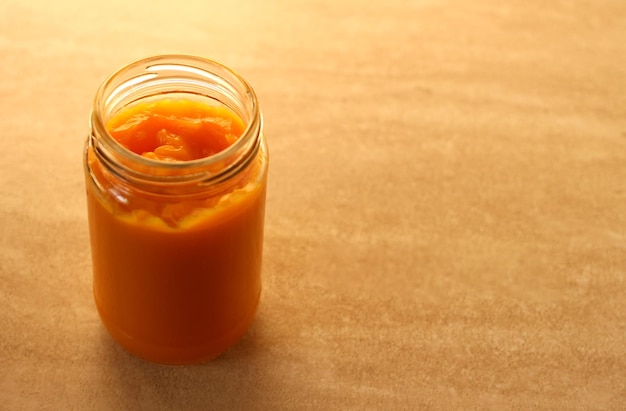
x=176, y=281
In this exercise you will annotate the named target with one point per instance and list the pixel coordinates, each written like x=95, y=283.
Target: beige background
x=446, y=215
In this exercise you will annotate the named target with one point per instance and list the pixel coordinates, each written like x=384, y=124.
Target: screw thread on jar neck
x=173, y=76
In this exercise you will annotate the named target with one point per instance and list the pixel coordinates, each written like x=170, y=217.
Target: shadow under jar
x=176, y=244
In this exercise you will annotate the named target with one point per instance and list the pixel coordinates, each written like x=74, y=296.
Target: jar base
x=189, y=355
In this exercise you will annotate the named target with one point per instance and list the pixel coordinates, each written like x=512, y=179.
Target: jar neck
x=174, y=76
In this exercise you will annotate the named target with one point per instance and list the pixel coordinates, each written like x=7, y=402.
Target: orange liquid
x=177, y=282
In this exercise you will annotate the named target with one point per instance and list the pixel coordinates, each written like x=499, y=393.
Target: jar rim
x=190, y=67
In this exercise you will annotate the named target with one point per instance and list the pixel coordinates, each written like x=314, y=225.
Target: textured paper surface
x=446, y=212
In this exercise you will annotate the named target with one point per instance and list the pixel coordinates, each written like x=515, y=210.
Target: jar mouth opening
x=182, y=75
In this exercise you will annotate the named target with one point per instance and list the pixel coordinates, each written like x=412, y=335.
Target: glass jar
x=176, y=246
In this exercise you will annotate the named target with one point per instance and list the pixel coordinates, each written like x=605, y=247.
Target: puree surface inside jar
x=175, y=129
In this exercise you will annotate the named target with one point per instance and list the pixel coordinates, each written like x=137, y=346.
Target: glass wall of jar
x=176, y=168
